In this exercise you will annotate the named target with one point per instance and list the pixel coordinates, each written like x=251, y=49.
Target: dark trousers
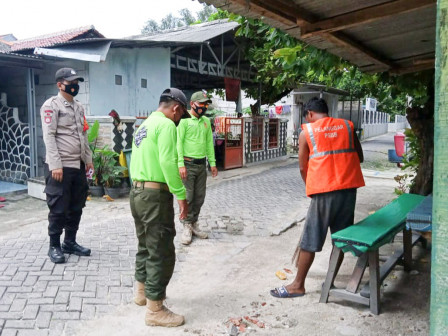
x=153, y=214
x=196, y=188
x=65, y=200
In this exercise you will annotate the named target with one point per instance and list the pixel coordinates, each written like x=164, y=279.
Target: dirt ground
x=232, y=280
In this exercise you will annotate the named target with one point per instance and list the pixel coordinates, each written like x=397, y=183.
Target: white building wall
x=133, y=65
x=400, y=123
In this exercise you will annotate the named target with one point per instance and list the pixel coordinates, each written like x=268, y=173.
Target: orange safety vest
x=333, y=161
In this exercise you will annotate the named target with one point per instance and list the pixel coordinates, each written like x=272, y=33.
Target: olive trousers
x=153, y=214
x=196, y=188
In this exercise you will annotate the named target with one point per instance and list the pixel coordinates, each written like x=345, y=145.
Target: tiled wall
x=14, y=145
x=109, y=135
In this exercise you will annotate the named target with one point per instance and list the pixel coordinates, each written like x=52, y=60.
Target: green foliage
x=283, y=63
x=411, y=161
x=186, y=18
x=92, y=137
x=106, y=169
x=109, y=172
x=413, y=156
x=92, y=134
x=247, y=110
x=403, y=185
x=218, y=15
x=212, y=114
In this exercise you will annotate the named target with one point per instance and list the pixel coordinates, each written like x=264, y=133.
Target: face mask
x=71, y=89
x=200, y=110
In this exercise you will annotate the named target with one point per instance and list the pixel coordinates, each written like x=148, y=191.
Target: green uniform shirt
x=195, y=140
x=154, y=154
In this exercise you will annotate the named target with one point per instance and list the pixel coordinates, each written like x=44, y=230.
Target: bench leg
x=331, y=274
x=407, y=249
x=374, y=282
x=357, y=274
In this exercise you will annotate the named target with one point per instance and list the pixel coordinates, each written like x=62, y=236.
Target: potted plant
x=95, y=186
x=111, y=172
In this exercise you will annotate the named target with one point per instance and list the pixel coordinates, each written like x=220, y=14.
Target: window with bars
x=273, y=133
x=256, y=140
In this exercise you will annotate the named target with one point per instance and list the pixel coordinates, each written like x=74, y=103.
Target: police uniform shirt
x=65, y=140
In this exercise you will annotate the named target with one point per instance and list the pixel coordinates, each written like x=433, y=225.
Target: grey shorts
x=334, y=210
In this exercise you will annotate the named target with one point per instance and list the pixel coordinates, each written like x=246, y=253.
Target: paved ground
x=226, y=276
x=376, y=153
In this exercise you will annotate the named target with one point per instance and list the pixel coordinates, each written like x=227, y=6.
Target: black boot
x=75, y=248
x=56, y=255
x=72, y=247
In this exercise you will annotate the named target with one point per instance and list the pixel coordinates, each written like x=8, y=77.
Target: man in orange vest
x=329, y=161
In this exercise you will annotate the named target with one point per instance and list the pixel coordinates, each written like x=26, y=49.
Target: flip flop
x=282, y=293
x=2, y=199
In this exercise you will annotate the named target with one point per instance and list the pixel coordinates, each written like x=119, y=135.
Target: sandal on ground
x=282, y=293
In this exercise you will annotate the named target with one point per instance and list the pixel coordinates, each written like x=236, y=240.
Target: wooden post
x=439, y=266
x=374, y=274
x=407, y=249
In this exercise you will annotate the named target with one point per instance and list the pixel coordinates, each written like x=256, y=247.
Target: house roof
x=323, y=88
x=197, y=33
x=4, y=46
x=18, y=60
x=53, y=39
x=8, y=38
x=376, y=35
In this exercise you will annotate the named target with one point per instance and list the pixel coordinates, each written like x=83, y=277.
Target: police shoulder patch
x=140, y=135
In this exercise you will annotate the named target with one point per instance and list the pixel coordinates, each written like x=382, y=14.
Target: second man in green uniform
x=194, y=145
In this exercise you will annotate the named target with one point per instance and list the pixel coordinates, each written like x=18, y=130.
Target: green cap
x=200, y=96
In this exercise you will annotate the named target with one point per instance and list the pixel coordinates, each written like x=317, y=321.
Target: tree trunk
x=254, y=108
x=421, y=120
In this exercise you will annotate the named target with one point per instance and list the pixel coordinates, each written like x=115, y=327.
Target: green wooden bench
x=364, y=240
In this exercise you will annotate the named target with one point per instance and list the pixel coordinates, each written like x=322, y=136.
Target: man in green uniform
x=194, y=144
x=155, y=178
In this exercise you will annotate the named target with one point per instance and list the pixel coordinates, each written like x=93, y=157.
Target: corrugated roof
x=52, y=39
x=197, y=33
x=15, y=55
x=376, y=35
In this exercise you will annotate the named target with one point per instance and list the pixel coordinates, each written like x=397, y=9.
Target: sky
x=114, y=19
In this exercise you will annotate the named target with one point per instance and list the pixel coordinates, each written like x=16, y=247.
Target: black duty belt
x=194, y=161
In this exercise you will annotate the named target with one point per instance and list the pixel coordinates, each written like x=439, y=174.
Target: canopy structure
x=399, y=36
x=376, y=35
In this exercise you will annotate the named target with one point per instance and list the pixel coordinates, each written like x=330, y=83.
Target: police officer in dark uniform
x=68, y=157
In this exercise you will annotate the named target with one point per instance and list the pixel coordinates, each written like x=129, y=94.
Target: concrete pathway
x=226, y=276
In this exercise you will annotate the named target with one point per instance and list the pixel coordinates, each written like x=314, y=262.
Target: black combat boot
x=72, y=247
x=55, y=252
